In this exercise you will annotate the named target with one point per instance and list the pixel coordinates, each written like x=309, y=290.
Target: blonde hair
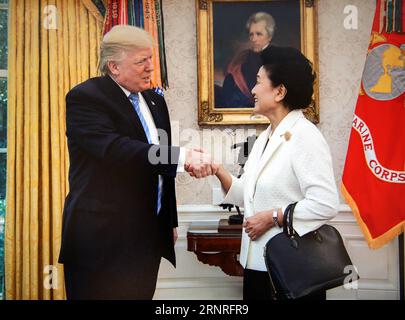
x=120, y=39
x=262, y=16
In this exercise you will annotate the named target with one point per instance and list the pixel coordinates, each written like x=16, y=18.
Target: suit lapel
x=255, y=158
x=154, y=110
x=272, y=146
x=122, y=105
x=276, y=140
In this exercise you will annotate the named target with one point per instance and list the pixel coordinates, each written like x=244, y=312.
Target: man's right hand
x=199, y=164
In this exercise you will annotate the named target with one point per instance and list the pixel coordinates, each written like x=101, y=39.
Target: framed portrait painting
x=230, y=37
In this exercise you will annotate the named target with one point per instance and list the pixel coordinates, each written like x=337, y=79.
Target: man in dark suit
x=120, y=215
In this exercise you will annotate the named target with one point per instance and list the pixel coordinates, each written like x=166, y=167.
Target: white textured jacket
x=296, y=165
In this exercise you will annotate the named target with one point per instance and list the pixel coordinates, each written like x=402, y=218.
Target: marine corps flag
x=373, y=180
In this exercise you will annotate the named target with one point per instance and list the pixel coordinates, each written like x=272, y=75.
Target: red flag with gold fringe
x=373, y=180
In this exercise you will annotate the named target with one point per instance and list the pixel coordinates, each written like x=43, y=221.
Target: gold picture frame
x=305, y=12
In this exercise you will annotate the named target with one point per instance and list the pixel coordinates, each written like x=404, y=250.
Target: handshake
x=199, y=164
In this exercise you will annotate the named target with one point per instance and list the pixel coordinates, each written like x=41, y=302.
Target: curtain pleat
x=56, y=192
x=93, y=10
x=44, y=64
x=45, y=192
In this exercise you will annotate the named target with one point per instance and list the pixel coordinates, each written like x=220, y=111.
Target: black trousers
x=110, y=284
x=256, y=286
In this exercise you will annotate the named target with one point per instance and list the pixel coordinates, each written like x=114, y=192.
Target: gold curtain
x=53, y=45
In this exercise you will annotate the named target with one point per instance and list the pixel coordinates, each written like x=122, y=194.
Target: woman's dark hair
x=288, y=66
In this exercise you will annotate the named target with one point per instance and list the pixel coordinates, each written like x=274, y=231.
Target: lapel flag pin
x=287, y=135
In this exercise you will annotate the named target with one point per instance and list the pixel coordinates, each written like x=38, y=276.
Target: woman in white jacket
x=289, y=162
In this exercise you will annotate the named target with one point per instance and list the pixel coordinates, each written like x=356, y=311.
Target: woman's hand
x=258, y=224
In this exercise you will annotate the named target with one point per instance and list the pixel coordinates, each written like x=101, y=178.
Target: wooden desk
x=216, y=246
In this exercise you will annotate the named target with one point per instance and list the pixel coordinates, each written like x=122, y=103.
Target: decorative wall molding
x=177, y=283
x=193, y=212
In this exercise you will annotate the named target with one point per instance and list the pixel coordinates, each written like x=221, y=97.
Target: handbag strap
x=285, y=219
x=288, y=219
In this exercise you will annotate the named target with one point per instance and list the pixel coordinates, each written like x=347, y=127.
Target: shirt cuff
x=182, y=160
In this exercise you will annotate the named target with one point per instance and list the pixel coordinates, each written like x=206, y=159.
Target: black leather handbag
x=298, y=266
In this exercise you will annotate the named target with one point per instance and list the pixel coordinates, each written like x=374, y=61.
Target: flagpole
x=401, y=266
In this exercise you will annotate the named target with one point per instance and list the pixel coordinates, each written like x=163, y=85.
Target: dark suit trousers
x=114, y=284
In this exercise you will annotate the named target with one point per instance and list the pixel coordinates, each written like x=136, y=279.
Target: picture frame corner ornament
x=208, y=117
x=203, y=4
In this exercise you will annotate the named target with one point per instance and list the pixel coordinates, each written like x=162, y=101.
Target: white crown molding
x=206, y=212
x=209, y=208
